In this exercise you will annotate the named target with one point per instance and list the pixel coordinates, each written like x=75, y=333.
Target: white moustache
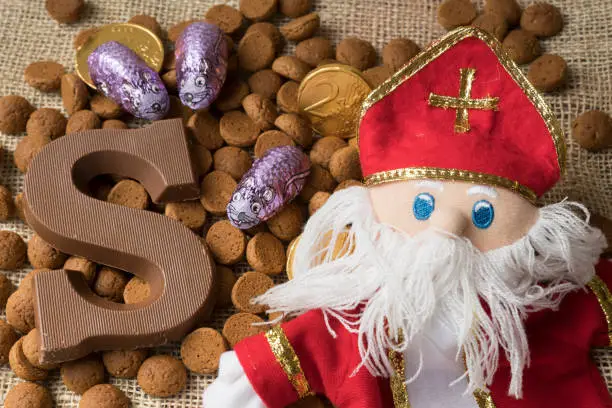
x=388, y=283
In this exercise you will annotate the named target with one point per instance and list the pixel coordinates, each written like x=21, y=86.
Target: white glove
x=232, y=388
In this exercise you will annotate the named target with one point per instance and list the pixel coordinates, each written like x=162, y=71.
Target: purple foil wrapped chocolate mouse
x=124, y=77
x=274, y=180
x=201, y=64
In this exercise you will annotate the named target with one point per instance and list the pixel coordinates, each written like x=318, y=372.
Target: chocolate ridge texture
x=73, y=322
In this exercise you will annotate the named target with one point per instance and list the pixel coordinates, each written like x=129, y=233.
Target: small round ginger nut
x=129, y=193
x=238, y=129
x=110, y=284
x=15, y=111
x=65, y=11
x=301, y=28
x=74, y=93
x=105, y=107
x=269, y=140
x=247, y=287
x=42, y=255
x=522, y=46
x=294, y=8
x=508, y=9
x=7, y=207
x=104, y=396
x=593, y=130
x=261, y=110
x=225, y=283
x=22, y=367
x=287, y=223
x=227, y=18
x=232, y=160
x=266, y=253
x=217, y=189
x=240, y=326
x=147, y=22
x=8, y=337
x=493, y=24
x=28, y=395
x=265, y=83
x=345, y=164
x=20, y=311
x=204, y=128
x=548, y=73
x=356, y=52
x=45, y=125
x=226, y=242
x=202, y=349
x=291, y=67
x=542, y=20
x=287, y=97
x=398, y=52
x=80, y=375
x=162, y=376
x=256, y=51
x=296, y=127
x=137, y=290
x=456, y=13
x=258, y=10
x=190, y=213
x=124, y=363
x=81, y=121
x=46, y=76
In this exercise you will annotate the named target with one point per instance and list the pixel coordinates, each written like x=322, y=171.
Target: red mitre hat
x=462, y=110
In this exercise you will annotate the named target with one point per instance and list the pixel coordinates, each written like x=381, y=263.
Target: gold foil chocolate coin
x=331, y=97
x=341, y=248
x=291, y=256
x=137, y=38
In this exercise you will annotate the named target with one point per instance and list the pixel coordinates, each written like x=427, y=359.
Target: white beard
x=392, y=284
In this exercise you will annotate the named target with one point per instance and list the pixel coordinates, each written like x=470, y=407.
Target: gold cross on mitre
x=463, y=103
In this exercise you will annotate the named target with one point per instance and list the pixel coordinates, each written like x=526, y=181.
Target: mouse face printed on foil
x=145, y=96
x=196, y=84
x=249, y=204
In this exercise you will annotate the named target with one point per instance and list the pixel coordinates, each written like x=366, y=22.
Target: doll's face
x=490, y=217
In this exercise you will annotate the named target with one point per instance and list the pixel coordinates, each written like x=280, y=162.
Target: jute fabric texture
x=28, y=34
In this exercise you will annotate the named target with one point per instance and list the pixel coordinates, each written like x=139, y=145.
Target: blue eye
x=424, y=204
x=483, y=214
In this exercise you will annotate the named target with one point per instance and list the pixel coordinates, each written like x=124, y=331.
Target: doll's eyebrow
x=484, y=190
x=431, y=184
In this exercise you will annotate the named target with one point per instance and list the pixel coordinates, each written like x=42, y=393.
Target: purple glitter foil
x=126, y=79
x=201, y=64
x=274, y=180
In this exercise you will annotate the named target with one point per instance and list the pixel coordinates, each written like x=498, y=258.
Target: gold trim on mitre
x=435, y=173
x=604, y=298
x=422, y=60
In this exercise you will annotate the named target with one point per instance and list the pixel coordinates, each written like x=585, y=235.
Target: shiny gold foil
x=288, y=360
x=416, y=173
x=463, y=103
x=137, y=38
x=604, y=297
x=423, y=59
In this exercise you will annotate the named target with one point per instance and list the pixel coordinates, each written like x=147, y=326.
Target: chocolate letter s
x=72, y=320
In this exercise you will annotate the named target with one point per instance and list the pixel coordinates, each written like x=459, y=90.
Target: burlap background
x=28, y=34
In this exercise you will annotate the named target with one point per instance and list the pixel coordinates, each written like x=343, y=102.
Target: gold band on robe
x=400, y=393
x=288, y=360
x=604, y=297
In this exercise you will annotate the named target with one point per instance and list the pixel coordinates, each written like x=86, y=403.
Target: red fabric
x=327, y=364
x=403, y=131
x=561, y=374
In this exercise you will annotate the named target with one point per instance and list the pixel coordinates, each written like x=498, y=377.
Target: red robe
x=561, y=374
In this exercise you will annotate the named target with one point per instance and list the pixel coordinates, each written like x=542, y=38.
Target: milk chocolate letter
x=72, y=320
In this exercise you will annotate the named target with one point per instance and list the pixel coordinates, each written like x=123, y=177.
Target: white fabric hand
x=232, y=388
